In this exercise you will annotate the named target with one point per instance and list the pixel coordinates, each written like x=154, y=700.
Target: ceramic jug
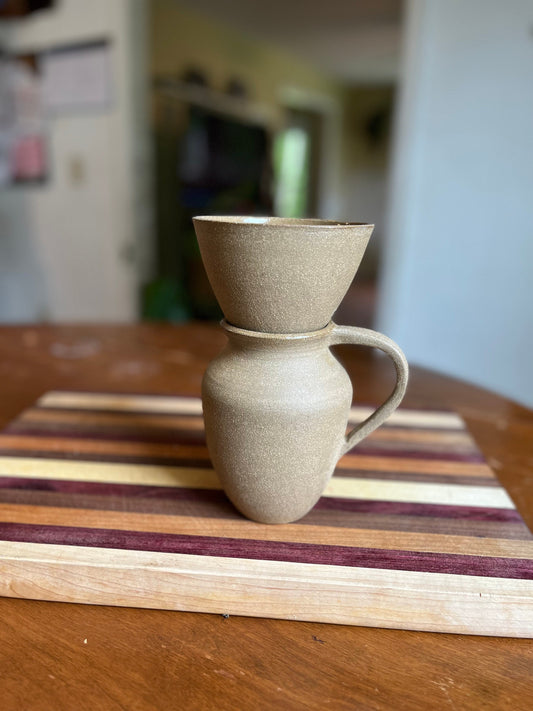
x=280, y=275
x=276, y=409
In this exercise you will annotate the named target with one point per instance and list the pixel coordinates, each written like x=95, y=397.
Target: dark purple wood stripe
x=453, y=564
x=69, y=486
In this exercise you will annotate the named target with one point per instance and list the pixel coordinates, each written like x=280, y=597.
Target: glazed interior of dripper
x=283, y=221
x=280, y=275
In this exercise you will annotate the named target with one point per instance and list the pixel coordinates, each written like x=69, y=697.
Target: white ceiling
x=358, y=41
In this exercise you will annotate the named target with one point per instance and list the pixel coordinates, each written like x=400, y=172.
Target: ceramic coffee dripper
x=276, y=408
x=280, y=275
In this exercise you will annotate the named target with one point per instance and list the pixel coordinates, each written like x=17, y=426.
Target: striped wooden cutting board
x=111, y=499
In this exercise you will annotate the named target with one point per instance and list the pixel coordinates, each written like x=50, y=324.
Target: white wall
x=78, y=234
x=457, y=287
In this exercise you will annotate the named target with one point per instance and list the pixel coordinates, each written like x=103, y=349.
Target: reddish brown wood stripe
x=453, y=564
x=356, y=460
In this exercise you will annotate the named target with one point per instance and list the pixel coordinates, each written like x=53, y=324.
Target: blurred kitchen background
x=121, y=119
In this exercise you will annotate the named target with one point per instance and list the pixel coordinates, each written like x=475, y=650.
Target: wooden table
x=60, y=656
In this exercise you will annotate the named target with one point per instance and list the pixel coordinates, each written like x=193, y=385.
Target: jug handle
x=365, y=337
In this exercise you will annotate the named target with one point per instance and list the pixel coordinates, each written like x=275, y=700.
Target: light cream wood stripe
x=298, y=591
x=248, y=530
x=109, y=473
x=419, y=492
x=342, y=487
x=412, y=418
x=193, y=406
x=126, y=403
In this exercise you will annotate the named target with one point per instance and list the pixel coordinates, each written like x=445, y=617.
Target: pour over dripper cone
x=280, y=275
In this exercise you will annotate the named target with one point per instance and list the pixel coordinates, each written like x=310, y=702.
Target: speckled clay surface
x=279, y=275
x=276, y=408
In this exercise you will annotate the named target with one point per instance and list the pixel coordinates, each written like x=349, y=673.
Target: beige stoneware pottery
x=280, y=275
x=276, y=408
